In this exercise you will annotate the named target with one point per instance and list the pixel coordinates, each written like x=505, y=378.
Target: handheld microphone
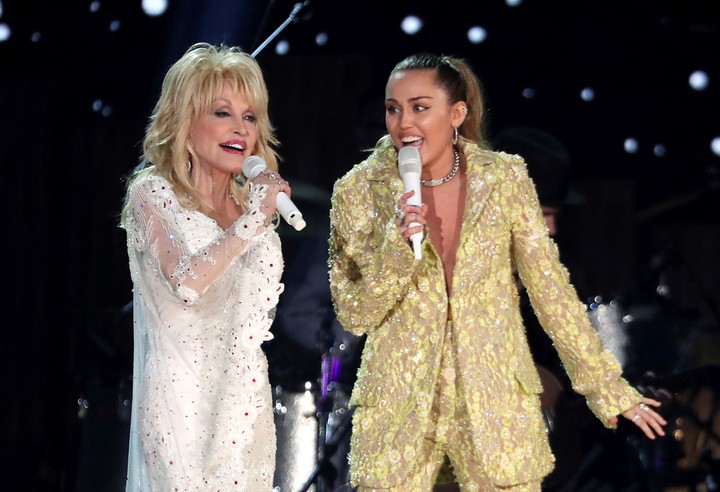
x=254, y=165
x=410, y=166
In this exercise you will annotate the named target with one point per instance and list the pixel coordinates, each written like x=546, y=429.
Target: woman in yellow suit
x=446, y=369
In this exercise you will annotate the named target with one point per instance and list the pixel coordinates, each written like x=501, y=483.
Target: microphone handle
x=417, y=244
x=411, y=181
x=289, y=211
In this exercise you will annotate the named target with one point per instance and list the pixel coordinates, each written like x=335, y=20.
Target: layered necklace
x=450, y=175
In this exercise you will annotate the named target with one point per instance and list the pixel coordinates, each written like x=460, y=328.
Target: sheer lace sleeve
x=171, y=237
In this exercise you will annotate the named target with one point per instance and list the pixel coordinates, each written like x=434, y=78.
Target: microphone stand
x=333, y=426
x=293, y=14
x=326, y=450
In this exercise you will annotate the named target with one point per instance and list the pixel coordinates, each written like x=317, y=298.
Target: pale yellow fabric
x=401, y=303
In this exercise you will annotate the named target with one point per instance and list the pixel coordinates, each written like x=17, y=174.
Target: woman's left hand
x=644, y=416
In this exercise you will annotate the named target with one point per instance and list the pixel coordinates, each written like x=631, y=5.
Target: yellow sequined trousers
x=449, y=436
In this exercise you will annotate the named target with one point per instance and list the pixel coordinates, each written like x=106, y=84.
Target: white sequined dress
x=203, y=304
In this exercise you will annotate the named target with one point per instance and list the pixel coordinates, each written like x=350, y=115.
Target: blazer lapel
x=480, y=182
x=383, y=176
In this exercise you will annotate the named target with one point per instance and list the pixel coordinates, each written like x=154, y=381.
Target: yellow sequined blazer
x=380, y=289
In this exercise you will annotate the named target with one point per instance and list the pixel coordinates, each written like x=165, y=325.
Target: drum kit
x=313, y=422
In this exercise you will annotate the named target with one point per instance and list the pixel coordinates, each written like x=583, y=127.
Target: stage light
x=631, y=145
x=94, y=6
x=154, y=8
x=587, y=94
x=321, y=39
x=659, y=150
x=528, y=93
x=513, y=3
x=97, y=105
x=115, y=26
x=1, y=9
x=699, y=80
x=477, y=34
x=282, y=47
x=35, y=37
x=715, y=146
x=4, y=32
x=411, y=24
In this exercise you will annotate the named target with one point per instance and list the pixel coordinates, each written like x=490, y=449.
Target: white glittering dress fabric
x=203, y=304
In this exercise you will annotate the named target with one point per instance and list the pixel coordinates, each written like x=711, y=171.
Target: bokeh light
x=715, y=146
x=477, y=34
x=321, y=39
x=411, y=24
x=154, y=8
x=631, y=145
x=587, y=94
x=282, y=47
x=4, y=32
x=699, y=80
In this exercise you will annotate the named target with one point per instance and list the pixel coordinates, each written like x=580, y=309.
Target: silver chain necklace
x=451, y=175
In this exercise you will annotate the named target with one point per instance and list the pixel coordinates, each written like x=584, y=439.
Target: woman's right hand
x=409, y=215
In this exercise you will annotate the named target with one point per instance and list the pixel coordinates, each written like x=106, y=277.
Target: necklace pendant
x=432, y=182
x=437, y=182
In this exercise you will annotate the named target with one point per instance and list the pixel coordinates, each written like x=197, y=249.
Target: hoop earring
x=455, y=136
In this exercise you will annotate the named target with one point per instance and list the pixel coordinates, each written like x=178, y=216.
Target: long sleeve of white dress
x=203, y=303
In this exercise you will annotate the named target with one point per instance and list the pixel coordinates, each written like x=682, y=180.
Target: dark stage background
x=78, y=80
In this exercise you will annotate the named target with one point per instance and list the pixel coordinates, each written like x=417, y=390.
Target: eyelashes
x=221, y=113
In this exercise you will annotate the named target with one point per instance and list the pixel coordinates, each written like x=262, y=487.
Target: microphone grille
x=409, y=160
x=253, y=165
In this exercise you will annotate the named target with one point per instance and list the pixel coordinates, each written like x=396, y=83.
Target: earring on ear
x=189, y=164
x=455, y=136
x=464, y=109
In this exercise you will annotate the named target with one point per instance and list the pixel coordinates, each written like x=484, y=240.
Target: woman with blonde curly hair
x=206, y=262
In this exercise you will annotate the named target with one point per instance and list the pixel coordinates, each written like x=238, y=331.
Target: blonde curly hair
x=190, y=87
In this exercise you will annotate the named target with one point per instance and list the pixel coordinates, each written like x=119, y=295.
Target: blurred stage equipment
x=312, y=360
x=334, y=424
x=102, y=382
x=661, y=340
x=607, y=319
x=688, y=458
x=297, y=429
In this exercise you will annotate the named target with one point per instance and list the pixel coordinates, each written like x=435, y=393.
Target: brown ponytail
x=460, y=83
